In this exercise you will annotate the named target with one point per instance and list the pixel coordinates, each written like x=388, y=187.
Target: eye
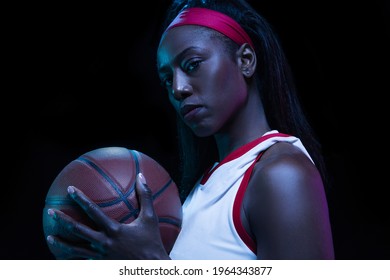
x=166, y=82
x=191, y=65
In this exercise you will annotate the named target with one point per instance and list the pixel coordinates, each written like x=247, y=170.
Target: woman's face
x=204, y=81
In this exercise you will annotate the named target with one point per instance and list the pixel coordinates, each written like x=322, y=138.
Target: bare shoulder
x=285, y=176
x=285, y=206
x=283, y=165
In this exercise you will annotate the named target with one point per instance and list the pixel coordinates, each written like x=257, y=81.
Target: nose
x=181, y=87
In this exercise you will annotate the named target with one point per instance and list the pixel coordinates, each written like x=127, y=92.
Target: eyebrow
x=163, y=67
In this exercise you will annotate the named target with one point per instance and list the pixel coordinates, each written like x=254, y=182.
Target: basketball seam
x=110, y=181
x=123, y=196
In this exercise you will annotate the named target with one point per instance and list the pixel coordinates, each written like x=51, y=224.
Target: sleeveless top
x=211, y=226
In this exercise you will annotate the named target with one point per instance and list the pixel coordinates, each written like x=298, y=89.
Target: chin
x=201, y=131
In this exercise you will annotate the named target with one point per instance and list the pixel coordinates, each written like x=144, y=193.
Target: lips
x=186, y=110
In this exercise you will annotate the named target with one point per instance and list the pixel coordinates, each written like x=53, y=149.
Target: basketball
x=108, y=177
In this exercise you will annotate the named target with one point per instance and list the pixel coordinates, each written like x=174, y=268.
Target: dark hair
x=277, y=89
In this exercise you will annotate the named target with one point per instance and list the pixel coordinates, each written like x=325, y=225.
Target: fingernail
x=51, y=212
x=142, y=178
x=50, y=239
x=70, y=190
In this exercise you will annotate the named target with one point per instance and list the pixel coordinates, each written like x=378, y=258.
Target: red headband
x=214, y=20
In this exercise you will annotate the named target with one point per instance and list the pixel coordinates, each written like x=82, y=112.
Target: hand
x=139, y=239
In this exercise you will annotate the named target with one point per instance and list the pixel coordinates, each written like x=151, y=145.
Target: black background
x=83, y=77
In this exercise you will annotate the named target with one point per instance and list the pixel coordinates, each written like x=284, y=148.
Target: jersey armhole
x=245, y=237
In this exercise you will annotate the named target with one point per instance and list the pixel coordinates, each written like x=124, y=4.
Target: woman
x=252, y=172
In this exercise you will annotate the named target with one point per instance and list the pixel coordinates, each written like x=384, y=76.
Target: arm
x=286, y=208
x=138, y=240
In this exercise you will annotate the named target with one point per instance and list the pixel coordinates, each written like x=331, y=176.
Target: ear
x=247, y=60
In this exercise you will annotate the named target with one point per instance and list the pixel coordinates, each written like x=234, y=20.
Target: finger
x=91, y=208
x=65, y=250
x=145, y=197
x=73, y=227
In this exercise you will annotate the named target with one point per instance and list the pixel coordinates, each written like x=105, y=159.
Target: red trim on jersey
x=241, y=192
x=237, y=208
x=239, y=152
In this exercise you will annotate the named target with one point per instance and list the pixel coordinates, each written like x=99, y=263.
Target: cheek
x=175, y=104
x=230, y=86
x=234, y=93
x=227, y=79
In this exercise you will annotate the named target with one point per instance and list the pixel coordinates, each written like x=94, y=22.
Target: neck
x=249, y=124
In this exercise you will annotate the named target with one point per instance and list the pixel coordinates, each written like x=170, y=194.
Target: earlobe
x=247, y=60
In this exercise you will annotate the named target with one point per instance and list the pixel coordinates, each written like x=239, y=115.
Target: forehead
x=177, y=39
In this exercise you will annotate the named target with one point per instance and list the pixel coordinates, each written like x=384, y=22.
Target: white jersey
x=211, y=227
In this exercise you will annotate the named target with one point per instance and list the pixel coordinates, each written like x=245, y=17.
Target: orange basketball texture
x=107, y=176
